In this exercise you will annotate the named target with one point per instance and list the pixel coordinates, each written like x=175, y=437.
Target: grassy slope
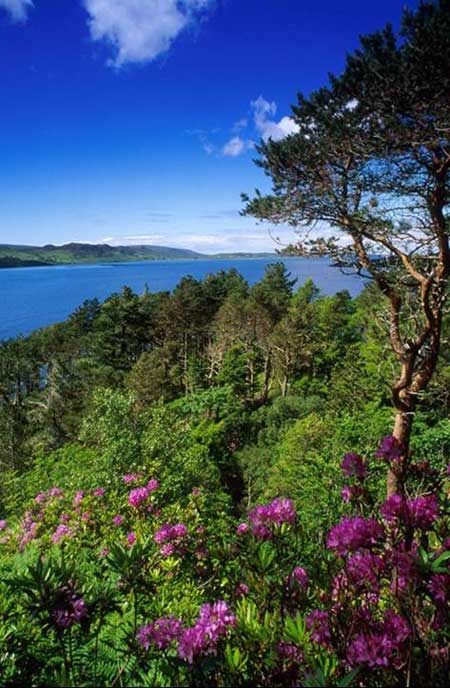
x=17, y=256
x=90, y=253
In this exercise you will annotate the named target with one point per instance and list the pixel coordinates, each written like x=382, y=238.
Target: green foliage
x=111, y=426
x=169, y=450
x=228, y=396
x=307, y=471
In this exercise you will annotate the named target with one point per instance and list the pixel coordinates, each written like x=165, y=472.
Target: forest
x=240, y=485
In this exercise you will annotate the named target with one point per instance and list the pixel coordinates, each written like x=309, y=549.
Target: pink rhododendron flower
x=213, y=623
x=439, y=586
x=130, y=478
x=168, y=549
x=55, y=492
x=390, y=449
x=69, y=608
x=242, y=589
x=137, y=496
x=353, y=533
x=264, y=516
x=381, y=645
x=160, y=633
x=242, y=528
x=406, y=569
x=300, y=576
x=61, y=532
x=353, y=465
x=171, y=535
x=414, y=513
x=179, y=531
x=346, y=494
x=163, y=534
x=318, y=623
x=423, y=511
x=289, y=651
x=29, y=529
x=78, y=497
x=365, y=569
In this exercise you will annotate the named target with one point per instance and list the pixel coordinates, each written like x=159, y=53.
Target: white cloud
x=225, y=240
x=263, y=124
x=208, y=147
x=234, y=147
x=240, y=125
x=18, y=9
x=267, y=127
x=134, y=239
x=141, y=30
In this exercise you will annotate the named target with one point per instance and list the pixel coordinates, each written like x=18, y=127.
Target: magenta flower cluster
x=140, y=494
x=353, y=533
x=390, y=449
x=265, y=516
x=354, y=466
x=52, y=493
x=130, y=478
x=300, y=577
x=318, y=624
x=160, y=633
x=69, y=608
x=79, y=496
x=365, y=569
x=170, y=537
x=419, y=513
x=380, y=644
x=213, y=624
x=30, y=527
x=62, y=531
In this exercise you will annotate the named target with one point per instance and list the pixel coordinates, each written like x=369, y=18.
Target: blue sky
x=133, y=121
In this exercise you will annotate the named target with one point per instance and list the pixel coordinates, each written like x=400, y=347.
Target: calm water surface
x=34, y=297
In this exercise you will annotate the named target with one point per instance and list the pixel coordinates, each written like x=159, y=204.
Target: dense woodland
x=250, y=485
x=242, y=365
x=227, y=395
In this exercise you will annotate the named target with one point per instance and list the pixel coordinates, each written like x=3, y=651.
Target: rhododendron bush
x=118, y=587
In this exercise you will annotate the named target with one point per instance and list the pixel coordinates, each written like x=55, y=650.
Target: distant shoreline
x=18, y=256
x=17, y=264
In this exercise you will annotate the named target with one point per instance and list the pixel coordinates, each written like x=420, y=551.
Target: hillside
x=26, y=256
x=90, y=253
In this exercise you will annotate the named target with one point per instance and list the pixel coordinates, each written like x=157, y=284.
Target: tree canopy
x=367, y=180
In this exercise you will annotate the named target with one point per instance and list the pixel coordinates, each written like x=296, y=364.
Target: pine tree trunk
x=266, y=383
x=402, y=433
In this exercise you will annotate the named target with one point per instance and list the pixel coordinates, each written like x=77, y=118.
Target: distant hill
x=242, y=254
x=25, y=256
x=89, y=253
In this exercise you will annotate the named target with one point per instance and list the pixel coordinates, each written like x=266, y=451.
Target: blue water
x=35, y=297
